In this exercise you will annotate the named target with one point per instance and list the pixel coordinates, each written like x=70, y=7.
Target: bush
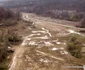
x=8, y=38
x=13, y=38
x=7, y=14
x=9, y=22
x=3, y=47
x=74, y=46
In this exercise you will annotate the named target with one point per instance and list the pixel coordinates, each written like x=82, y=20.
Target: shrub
x=8, y=38
x=13, y=38
x=74, y=46
x=9, y=22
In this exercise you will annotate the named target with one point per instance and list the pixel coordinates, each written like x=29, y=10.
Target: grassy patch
x=3, y=65
x=74, y=45
x=7, y=38
x=13, y=38
x=8, y=22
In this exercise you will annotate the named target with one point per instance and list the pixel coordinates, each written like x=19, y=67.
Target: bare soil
x=44, y=47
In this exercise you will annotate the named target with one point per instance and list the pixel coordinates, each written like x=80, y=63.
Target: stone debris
x=58, y=42
x=54, y=49
x=32, y=43
x=48, y=44
x=72, y=31
x=63, y=52
x=9, y=47
x=44, y=60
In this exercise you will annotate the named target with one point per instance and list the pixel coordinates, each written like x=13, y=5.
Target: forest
x=72, y=10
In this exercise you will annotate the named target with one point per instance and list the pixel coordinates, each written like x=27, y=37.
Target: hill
x=72, y=10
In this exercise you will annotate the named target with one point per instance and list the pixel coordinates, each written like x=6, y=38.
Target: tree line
x=72, y=10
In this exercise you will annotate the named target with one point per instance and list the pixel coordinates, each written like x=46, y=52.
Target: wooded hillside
x=72, y=10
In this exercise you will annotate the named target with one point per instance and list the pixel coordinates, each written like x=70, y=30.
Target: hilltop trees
x=8, y=17
x=60, y=9
x=8, y=14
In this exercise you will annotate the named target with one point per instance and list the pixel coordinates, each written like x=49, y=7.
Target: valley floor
x=44, y=46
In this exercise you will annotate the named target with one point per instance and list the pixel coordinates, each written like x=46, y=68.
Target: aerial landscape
x=42, y=34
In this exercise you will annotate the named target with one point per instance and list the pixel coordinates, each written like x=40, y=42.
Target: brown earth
x=43, y=47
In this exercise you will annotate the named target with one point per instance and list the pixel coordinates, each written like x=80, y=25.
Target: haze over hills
x=78, y=5
x=4, y=0
x=62, y=9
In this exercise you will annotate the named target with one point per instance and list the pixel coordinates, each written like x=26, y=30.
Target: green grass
x=7, y=39
x=74, y=45
x=4, y=65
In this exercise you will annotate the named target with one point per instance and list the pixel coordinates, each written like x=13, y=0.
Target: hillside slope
x=72, y=10
x=44, y=46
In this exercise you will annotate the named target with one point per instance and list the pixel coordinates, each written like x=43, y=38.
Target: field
x=44, y=45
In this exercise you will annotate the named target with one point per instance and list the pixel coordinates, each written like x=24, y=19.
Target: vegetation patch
x=13, y=38
x=7, y=39
x=74, y=45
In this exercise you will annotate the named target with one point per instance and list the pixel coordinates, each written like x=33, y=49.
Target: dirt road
x=16, y=61
x=43, y=47
x=44, y=21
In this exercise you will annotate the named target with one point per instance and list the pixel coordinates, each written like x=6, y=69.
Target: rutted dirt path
x=38, y=38
x=17, y=58
x=42, y=48
x=51, y=25
x=52, y=22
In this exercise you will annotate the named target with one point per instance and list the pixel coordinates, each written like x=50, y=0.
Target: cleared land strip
x=49, y=55
x=37, y=18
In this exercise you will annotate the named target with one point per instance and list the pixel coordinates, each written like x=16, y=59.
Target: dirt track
x=42, y=48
